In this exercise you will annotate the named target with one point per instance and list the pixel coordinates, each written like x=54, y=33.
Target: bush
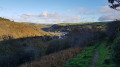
x=57, y=45
x=84, y=36
x=116, y=51
x=112, y=29
x=4, y=19
x=54, y=60
x=113, y=32
x=18, y=51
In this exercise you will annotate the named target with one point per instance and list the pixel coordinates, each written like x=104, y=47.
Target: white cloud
x=47, y=17
x=109, y=14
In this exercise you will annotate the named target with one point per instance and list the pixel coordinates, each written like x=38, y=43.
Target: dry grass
x=55, y=59
x=19, y=30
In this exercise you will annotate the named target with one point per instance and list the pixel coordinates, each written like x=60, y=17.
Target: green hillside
x=84, y=24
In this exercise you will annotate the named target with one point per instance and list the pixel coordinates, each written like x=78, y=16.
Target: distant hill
x=10, y=29
x=83, y=24
x=65, y=27
x=38, y=25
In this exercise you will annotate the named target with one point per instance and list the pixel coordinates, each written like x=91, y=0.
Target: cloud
x=48, y=17
x=108, y=14
x=79, y=9
x=82, y=10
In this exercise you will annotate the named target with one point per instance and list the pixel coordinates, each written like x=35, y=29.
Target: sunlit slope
x=10, y=29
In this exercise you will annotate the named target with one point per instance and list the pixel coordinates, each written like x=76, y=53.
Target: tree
x=115, y=3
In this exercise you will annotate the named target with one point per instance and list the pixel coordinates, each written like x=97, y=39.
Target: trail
x=95, y=58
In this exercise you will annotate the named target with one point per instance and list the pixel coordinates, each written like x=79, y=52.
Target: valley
x=61, y=45
x=59, y=33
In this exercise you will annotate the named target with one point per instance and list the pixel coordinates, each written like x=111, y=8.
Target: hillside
x=65, y=27
x=38, y=25
x=100, y=48
x=83, y=24
x=10, y=29
x=86, y=45
x=59, y=51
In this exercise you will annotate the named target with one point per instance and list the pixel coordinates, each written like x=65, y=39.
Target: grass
x=65, y=24
x=83, y=59
x=104, y=53
x=84, y=24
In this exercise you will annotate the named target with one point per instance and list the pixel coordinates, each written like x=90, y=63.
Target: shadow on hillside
x=17, y=51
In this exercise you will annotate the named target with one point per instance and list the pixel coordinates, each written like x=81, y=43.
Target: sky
x=57, y=11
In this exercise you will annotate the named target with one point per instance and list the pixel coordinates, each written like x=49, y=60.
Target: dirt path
x=95, y=58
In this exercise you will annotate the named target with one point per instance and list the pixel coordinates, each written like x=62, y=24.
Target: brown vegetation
x=55, y=59
x=10, y=29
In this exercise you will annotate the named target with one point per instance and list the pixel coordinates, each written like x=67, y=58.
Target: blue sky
x=53, y=11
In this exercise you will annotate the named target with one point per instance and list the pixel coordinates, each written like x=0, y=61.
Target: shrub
x=18, y=51
x=116, y=51
x=57, y=45
x=112, y=29
x=54, y=60
x=4, y=19
x=83, y=36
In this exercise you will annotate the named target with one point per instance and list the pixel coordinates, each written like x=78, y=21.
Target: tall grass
x=104, y=52
x=84, y=59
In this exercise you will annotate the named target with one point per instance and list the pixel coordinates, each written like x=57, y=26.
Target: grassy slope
x=19, y=30
x=104, y=55
x=84, y=59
